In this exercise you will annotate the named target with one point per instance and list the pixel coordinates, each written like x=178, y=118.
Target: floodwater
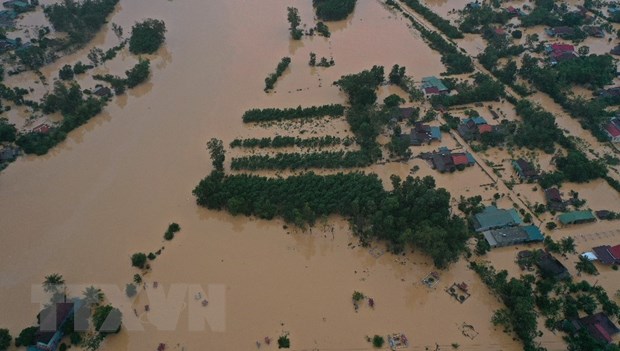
x=112, y=188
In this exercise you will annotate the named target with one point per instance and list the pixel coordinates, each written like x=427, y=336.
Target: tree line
x=484, y=88
x=439, y=22
x=296, y=160
x=271, y=80
x=277, y=114
x=281, y=141
x=135, y=76
x=333, y=10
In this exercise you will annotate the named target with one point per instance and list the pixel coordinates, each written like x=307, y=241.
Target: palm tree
x=53, y=282
x=93, y=296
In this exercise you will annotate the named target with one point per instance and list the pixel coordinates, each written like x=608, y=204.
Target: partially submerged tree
x=147, y=36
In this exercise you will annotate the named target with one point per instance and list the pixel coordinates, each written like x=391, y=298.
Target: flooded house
x=607, y=255
x=444, y=160
x=598, y=325
x=8, y=154
x=472, y=128
x=613, y=130
x=42, y=128
x=434, y=86
x=594, y=31
x=525, y=170
x=513, y=236
x=554, y=200
x=550, y=267
x=52, y=322
x=560, y=52
x=560, y=32
x=576, y=217
x=494, y=218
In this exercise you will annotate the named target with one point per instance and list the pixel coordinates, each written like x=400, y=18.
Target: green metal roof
x=533, y=233
x=434, y=82
x=492, y=217
x=576, y=216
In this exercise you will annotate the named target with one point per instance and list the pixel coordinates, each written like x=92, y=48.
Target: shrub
x=131, y=290
x=138, y=260
x=378, y=341
x=5, y=339
x=284, y=342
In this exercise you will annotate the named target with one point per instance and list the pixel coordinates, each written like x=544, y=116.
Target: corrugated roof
x=576, y=216
x=492, y=217
x=533, y=233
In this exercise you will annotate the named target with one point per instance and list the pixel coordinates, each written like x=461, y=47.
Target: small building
x=404, y=113
x=423, y=134
x=513, y=236
x=615, y=50
x=576, y=217
x=102, y=91
x=525, y=170
x=471, y=128
x=603, y=214
x=42, y=128
x=607, y=254
x=613, y=130
x=554, y=199
x=443, y=160
x=599, y=326
x=513, y=11
x=560, y=52
x=594, y=31
x=550, y=267
x=560, y=32
x=8, y=154
x=433, y=86
x=493, y=218
x=18, y=6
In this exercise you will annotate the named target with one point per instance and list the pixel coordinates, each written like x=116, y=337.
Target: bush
x=75, y=338
x=131, y=290
x=107, y=319
x=27, y=337
x=517, y=34
x=333, y=10
x=284, y=342
x=377, y=341
x=139, y=73
x=138, y=260
x=151, y=256
x=62, y=347
x=66, y=73
x=147, y=36
x=5, y=339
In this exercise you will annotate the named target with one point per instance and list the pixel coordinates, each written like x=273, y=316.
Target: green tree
x=5, y=339
x=333, y=10
x=284, y=342
x=218, y=155
x=294, y=20
x=138, y=74
x=53, y=283
x=138, y=260
x=586, y=266
x=27, y=337
x=93, y=295
x=147, y=36
x=66, y=72
x=107, y=319
x=377, y=341
x=8, y=132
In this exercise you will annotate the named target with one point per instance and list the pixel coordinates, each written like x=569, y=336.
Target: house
x=51, y=324
x=607, y=254
x=473, y=5
x=444, y=160
x=598, y=325
x=603, y=214
x=554, y=200
x=423, y=134
x=561, y=32
x=42, y=129
x=511, y=10
x=102, y=91
x=576, y=217
x=493, y=218
x=433, y=86
x=403, y=113
x=613, y=130
x=594, y=31
x=550, y=267
x=610, y=93
x=18, y=6
x=513, y=236
x=615, y=51
x=8, y=154
x=525, y=170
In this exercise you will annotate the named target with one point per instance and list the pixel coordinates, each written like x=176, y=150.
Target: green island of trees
x=414, y=212
x=294, y=20
x=283, y=141
x=333, y=10
x=147, y=36
x=135, y=76
x=276, y=114
x=271, y=80
x=81, y=20
x=484, y=88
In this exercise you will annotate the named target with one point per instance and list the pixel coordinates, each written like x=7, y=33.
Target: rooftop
x=576, y=217
x=492, y=217
x=434, y=82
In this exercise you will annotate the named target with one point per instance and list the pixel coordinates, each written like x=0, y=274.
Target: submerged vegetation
x=286, y=141
x=147, y=36
x=271, y=80
x=323, y=159
x=333, y=10
x=276, y=114
x=440, y=23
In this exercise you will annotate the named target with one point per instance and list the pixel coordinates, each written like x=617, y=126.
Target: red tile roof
x=484, y=128
x=612, y=130
x=602, y=332
x=615, y=251
x=41, y=128
x=459, y=159
x=559, y=48
x=431, y=90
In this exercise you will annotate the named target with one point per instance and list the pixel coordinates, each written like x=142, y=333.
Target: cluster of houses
x=559, y=52
x=444, y=160
x=502, y=227
x=422, y=134
x=433, y=86
x=525, y=170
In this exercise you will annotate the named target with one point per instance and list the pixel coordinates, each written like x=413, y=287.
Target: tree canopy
x=147, y=36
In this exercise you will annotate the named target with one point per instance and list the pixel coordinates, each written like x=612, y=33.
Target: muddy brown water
x=112, y=188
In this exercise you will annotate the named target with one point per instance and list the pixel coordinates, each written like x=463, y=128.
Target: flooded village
x=311, y=175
